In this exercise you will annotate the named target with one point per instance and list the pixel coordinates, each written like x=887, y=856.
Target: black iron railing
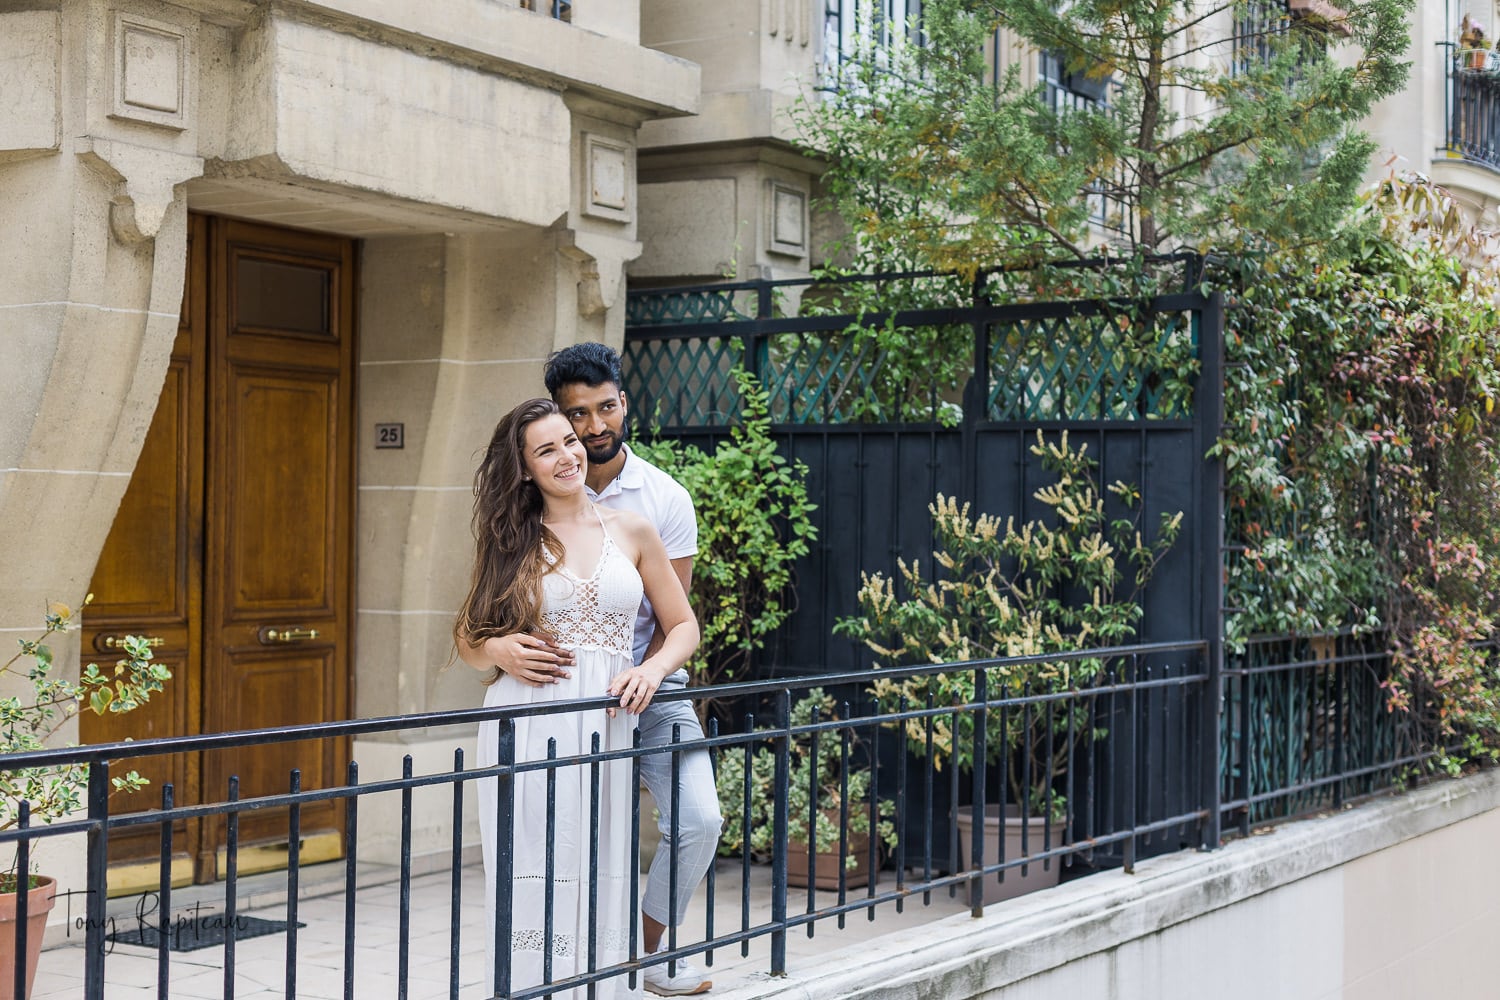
x=1307, y=724
x=1474, y=106
x=1107, y=775
x=1288, y=727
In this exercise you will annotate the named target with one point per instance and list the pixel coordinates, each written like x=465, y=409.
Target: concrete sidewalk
x=260, y=963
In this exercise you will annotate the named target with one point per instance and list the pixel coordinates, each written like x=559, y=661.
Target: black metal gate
x=1140, y=385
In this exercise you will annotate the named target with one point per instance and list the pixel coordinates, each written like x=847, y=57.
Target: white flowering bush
x=1068, y=582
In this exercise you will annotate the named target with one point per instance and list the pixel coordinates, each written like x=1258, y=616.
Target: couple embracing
x=583, y=566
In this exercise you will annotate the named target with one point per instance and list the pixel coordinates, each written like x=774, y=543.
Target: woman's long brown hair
x=511, y=541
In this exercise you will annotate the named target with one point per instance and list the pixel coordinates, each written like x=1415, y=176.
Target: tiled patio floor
x=260, y=964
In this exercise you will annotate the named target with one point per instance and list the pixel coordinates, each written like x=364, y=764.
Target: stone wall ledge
x=966, y=957
x=524, y=44
x=1476, y=185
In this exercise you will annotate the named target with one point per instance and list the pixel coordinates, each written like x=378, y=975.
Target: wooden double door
x=231, y=548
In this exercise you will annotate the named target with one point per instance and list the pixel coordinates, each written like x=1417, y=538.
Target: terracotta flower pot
x=1038, y=876
x=826, y=865
x=39, y=902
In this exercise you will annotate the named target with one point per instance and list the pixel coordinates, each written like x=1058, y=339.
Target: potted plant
x=836, y=802
x=1472, y=45
x=1061, y=584
x=35, y=709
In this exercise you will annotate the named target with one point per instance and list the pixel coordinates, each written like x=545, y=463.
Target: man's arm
x=530, y=659
x=683, y=567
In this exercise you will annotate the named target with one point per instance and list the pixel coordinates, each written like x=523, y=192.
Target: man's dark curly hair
x=591, y=363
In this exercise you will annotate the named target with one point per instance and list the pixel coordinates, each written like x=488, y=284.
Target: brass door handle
x=118, y=641
x=273, y=634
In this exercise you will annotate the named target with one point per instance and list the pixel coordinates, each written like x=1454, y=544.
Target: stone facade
x=482, y=154
x=1413, y=127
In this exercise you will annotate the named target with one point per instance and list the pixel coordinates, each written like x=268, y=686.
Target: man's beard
x=609, y=451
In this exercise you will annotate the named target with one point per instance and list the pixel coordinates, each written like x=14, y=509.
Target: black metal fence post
x=231, y=883
x=505, y=813
x=976, y=845
x=403, y=891
x=94, y=945
x=1208, y=425
x=164, y=904
x=976, y=396
x=351, y=867
x=293, y=878
x=779, y=822
x=23, y=900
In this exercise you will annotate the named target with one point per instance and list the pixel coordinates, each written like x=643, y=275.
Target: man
x=584, y=380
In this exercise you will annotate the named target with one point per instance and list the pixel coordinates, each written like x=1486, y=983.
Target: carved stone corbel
x=145, y=181
x=598, y=288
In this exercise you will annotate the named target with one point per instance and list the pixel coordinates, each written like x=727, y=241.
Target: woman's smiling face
x=554, y=456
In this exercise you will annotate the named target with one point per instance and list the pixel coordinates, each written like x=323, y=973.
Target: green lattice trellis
x=682, y=307
x=1095, y=364
x=682, y=383
x=835, y=377
x=1093, y=367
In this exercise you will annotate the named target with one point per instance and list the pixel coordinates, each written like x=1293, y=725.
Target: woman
x=549, y=560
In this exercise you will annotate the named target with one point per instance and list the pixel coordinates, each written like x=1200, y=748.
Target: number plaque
x=390, y=435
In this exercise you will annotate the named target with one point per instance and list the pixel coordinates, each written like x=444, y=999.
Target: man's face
x=597, y=413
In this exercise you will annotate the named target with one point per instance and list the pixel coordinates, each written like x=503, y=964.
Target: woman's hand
x=636, y=687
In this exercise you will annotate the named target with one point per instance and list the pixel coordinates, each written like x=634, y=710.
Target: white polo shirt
x=660, y=499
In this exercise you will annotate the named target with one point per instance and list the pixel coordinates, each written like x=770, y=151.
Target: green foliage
x=828, y=765
x=934, y=163
x=1362, y=451
x=753, y=523
x=28, y=720
x=1013, y=591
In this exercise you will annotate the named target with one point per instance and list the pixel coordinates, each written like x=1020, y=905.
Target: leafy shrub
x=29, y=719
x=1362, y=451
x=753, y=524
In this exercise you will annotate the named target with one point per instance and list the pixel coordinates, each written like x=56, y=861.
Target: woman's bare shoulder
x=629, y=524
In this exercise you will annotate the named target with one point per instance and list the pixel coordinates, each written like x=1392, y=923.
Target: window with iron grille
x=851, y=26
x=1065, y=91
x=1257, y=23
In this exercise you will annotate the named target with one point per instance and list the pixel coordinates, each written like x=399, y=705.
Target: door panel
x=149, y=581
x=282, y=551
x=280, y=510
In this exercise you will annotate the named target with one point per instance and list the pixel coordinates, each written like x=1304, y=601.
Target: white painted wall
x=1396, y=900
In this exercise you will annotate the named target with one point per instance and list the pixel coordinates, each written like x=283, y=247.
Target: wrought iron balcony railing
x=1474, y=106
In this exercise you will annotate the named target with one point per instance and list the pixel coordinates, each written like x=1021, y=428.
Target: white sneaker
x=687, y=982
